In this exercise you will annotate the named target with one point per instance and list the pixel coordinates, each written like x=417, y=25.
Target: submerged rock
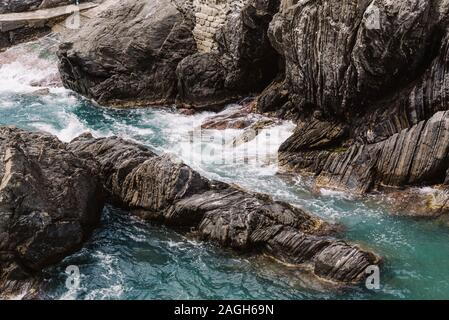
x=50, y=200
x=162, y=189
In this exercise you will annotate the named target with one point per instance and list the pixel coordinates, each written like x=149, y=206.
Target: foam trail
x=28, y=67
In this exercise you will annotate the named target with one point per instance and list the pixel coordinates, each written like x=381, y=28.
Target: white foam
x=334, y=193
x=21, y=68
x=72, y=127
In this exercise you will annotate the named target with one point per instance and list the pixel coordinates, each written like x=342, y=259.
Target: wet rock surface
x=162, y=189
x=145, y=53
x=50, y=200
x=364, y=80
x=367, y=86
x=128, y=54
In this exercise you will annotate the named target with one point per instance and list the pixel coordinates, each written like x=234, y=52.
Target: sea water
x=129, y=259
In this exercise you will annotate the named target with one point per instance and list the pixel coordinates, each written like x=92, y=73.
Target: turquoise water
x=127, y=259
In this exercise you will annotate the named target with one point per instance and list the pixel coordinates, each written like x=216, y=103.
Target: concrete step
x=12, y=21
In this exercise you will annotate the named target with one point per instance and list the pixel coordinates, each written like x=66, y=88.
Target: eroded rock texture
x=161, y=189
x=129, y=53
x=367, y=81
x=50, y=200
x=7, y=6
x=150, y=52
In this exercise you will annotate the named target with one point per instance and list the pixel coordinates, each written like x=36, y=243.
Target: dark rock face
x=50, y=200
x=415, y=156
x=129, y=54
x=201, y=81
x=336, y=59
x=362, y=78
x=161, y=189
x=366, y=81
x=144, y=53
x=244, y=64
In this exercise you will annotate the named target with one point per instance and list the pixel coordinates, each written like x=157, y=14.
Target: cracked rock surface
x=50, y=200
x=158, y=188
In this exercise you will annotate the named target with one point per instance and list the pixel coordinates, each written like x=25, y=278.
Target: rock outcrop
x=7, y=6
x=161, y=189
x=201, y=54
x=367, y=81
x=364, y=79
x=50, y=200
x=52, y=194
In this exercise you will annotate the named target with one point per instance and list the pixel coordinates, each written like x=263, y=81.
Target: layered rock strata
x=158, y=188
x=366, y=81
x=52, y=194
x=199, y=54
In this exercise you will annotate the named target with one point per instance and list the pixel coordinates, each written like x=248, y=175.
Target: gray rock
x=50, y=201
x=415, y=156
x=129, y=54
x=158, y=188
x=244, y=64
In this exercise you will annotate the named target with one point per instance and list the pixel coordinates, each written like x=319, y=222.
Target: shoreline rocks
x=154, y=53
x=52, y=195
x=367, y=88
x=128, y=54
x=361, y=78
x=161, y=189
x=50, y=201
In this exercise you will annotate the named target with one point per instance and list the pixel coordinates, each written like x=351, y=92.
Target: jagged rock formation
x=355, y=74
x=366, y=80
x=158, y=188
x=237, y=59
x=51, y=196
x=50, y=200
x=171, y=53
x=7, y=6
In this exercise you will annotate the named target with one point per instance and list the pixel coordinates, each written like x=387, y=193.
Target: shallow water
x=126, y=259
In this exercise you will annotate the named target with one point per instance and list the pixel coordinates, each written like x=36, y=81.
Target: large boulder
x=162, y=189
x=128, y=54
x=50, y=200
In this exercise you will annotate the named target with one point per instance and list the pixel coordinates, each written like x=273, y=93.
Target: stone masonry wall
x=211, y=15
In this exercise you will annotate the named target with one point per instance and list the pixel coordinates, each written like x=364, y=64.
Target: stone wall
x=211, y=15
